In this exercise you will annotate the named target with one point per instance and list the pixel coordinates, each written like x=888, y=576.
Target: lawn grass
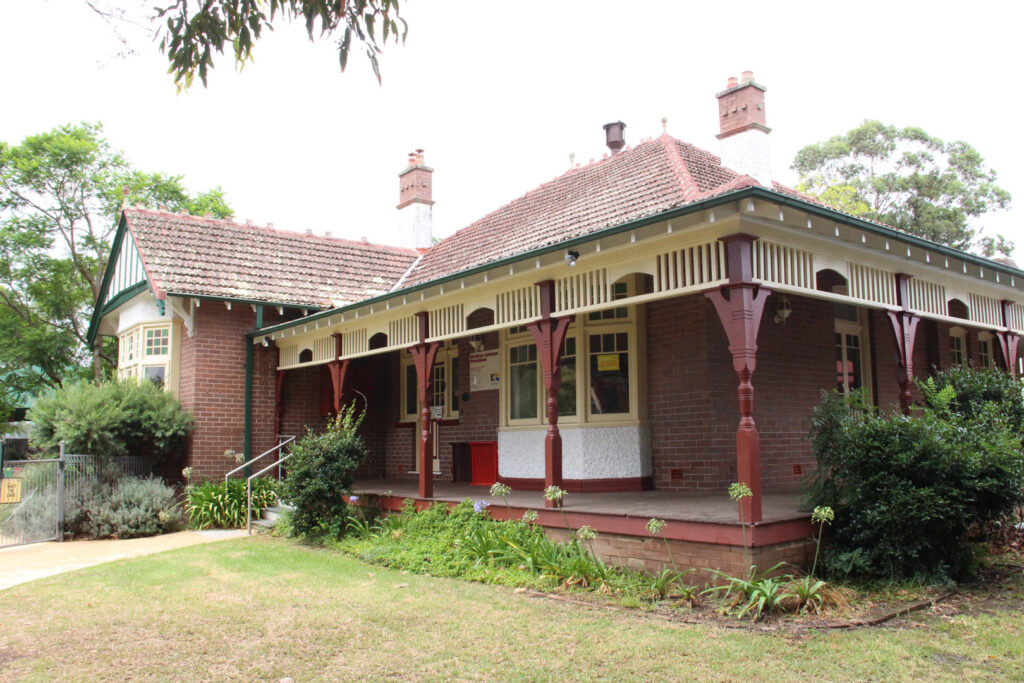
x=264, y=608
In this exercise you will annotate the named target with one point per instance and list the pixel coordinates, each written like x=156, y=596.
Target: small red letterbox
x=484, y=455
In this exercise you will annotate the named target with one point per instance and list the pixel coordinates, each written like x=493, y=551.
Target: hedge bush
x=321, y=469
x=906, y=490
x=112, y=419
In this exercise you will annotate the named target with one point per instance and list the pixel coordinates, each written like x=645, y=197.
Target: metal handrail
x=248, y=490
x=248, y=463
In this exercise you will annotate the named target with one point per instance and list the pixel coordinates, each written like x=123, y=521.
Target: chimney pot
x=748, y=76
x=732, y=82
x=614, y=136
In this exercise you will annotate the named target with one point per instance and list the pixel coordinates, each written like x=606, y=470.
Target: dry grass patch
x=265, y=608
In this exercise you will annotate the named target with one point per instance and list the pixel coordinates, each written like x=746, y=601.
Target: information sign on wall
x=484, y=370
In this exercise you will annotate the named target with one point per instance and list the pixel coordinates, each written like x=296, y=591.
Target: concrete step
x=272, y=513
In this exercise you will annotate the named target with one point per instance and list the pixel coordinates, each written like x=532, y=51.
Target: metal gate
x=31, y=500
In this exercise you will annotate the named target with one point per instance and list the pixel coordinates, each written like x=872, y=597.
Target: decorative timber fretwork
x=355, y=341
x=777, y=264
x=693, y=266
x=518, y=305
x=926, y=297
x=423, y=355
x=549, y=335
x=447, y=321
x=904, y=329
x=579, y=291
x=1009, y=342
x=740, y=305
x=404, y=331
x=872, y=284
x=985, y=310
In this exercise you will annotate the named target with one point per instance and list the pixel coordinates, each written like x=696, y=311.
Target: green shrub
x=212, y=506
x=112, y=419
x=321, y=469
x=131, y=508
x=906, y=490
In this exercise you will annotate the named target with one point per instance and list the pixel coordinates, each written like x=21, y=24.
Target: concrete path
x=30, y=562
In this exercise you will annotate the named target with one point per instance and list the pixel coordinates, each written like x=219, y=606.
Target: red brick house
x=642, y=331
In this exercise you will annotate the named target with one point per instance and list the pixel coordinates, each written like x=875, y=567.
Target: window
x=158, y=341
x=598, y=366
x=985, y=358
x=145, y=353
x=567, y=392
x=523, y=381
x=609, y=373
x=444, y=386
x=957, y=346
x=849, y=369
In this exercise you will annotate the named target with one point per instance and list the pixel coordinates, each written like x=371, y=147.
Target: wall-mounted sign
x=10, y=490
x=607, y=362
x=436, y=412
x=483, y=370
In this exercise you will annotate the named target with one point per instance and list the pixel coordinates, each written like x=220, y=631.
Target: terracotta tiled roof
x=205, y=256
x=653, y=177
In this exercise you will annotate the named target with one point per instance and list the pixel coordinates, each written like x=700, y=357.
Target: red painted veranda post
x=338, y=369
x=549, y=336
x=1008, y=341
x=423, y=355
x=739, y=304
x=904, y=328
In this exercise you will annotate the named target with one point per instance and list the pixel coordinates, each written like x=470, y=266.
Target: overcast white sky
x=500, y=93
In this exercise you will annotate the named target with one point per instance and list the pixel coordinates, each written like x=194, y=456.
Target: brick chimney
x=744, y=135
x=415, y=206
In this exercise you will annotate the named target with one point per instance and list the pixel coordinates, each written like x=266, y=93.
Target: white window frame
x=986, y=359
x=132, y=359
x=448, y=353
x=581, y=328
x=958, y=334
x=858, y=328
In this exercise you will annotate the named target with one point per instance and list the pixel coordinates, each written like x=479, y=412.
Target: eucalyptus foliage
x=907, y=179
x=321, y=469
x=192, y=33
x=907, y=490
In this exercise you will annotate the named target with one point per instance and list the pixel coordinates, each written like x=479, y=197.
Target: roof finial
x=572, y=158
x=664, y=125
x=124, y=194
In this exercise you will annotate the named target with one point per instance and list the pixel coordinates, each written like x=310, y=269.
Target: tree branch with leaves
x=193, y=32
x=909, y=180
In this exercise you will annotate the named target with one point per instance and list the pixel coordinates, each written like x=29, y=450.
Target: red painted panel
x=484, y=455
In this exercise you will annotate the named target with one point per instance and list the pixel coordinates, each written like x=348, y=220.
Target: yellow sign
x=607, y=362
x=10, y=490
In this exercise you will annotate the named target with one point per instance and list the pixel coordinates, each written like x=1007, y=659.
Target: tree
x=192, y=34
x=61, y=194
x=907, y=179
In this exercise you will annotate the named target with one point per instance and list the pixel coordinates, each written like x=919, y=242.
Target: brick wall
x=649, y=554
x=212, y=387
x=692, y=402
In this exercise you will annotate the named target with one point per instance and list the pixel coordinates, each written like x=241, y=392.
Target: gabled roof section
x=655, y=176
x=199, y=256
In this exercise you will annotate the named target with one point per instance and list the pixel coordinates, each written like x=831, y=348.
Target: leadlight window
x=410, y=389
x=523, y=382
x=158, y=341
x=454, y=384
x=609, y=373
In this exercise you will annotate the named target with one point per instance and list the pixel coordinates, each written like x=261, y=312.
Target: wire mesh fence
x=33, y=492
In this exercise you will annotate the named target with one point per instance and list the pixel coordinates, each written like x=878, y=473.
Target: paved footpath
x=30, y=562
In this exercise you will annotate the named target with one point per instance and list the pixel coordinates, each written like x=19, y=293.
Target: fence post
x=60, y=495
